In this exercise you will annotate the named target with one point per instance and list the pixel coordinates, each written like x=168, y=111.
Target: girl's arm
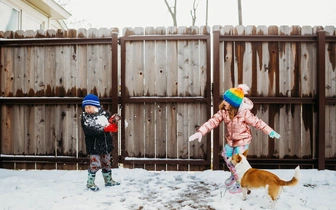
x=212, y=123
x=257, y=123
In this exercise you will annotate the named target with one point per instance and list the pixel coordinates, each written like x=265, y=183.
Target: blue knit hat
x=234, y=96
x=91, y=99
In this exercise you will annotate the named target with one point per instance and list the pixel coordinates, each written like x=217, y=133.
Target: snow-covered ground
x=141, y=189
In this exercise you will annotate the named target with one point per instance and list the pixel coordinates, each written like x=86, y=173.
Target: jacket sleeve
x=257, y=123
x=92, y=129
x=212, y=123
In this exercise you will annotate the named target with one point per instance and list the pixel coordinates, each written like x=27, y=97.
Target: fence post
x=115, y=91
x=321, y=100
x=215, y=44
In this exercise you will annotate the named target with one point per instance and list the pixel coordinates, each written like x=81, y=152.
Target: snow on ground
x=141, y=189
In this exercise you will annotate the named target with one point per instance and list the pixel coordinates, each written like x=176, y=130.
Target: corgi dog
x=251, y=178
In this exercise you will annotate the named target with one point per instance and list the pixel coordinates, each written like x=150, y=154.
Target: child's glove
x=111, y=128
x=115, y=118
x=196, y=135
x=274, y=134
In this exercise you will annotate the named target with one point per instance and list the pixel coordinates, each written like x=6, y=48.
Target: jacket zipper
x=105, y=143
x=94, y=145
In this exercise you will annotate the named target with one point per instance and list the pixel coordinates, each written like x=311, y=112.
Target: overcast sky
x=142, y=13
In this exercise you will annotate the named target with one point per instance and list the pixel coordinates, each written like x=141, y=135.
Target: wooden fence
x=167, y=88
x=291, y=72
x=44, y=76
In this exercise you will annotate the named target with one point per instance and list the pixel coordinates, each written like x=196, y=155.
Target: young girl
x=97, y=125
x=235, y=111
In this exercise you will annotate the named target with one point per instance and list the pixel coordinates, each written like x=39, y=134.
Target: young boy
x=97, y=125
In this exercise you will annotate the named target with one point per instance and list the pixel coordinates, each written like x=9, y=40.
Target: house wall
x=30, y=18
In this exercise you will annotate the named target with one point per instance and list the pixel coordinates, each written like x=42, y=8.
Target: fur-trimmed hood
x=246, y=104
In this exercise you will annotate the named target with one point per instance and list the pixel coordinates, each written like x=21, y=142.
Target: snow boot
x=90, y=182
x=230, y=181
x=235, y=188
x=109, y=182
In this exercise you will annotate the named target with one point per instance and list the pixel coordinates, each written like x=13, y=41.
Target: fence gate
x=165, y=97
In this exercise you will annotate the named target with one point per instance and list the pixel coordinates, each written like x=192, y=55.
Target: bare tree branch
x=172, y=12
x=206, y=12
x=193, y=13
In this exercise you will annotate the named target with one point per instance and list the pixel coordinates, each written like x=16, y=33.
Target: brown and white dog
x=251, y=178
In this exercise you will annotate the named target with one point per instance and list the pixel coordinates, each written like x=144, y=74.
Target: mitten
x=115, y=118
x=111, y=128
x=196, y=135
x=274, y=134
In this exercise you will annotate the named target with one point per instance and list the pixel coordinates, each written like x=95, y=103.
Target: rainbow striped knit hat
x=234, y=96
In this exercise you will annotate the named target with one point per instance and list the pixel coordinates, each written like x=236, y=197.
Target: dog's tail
x=294, y=180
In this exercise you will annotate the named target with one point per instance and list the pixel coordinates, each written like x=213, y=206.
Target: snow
x=102, y=120
x=148, y=190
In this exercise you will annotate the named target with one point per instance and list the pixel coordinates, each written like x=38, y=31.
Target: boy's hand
x=196, y=135
x=115, y=118
x=111, y=128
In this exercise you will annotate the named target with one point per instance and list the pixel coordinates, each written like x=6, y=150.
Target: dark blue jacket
x=96, y=140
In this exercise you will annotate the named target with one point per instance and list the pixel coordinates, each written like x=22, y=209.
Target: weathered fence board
x=330, y=92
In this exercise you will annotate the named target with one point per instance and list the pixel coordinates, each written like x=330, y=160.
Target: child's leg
x=240, y=149
x=106, y=162
x=95, y=165
x=227, y=153
x=106, y=170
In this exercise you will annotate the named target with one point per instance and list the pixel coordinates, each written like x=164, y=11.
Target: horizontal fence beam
x=165, y=100
x=47, y=100
x=286, y=162
x=167, y=161
x=78, y=100
x=170, y=37
x=53, y=41
x=43, y=159
x=268, y=38
x=273, y=38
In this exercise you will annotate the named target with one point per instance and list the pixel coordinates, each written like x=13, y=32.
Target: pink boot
x=235, y=189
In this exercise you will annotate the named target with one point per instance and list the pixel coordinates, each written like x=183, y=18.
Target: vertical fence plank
x=134, y=84
x=262, y=61
x=183, y=79
x=308, y=83
x=7, y=77
x=226, y=68
x=330, y=117
x=150, y=90
x=288, y=71
x=172, y=90
x=161, y=90
x=82, y=88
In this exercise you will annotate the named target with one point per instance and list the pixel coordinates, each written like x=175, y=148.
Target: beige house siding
x=32, y=15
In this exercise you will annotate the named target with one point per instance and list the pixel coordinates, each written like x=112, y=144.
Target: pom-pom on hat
x=92, y=100
x=234, y=96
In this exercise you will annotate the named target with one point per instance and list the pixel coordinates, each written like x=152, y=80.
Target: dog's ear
x=245, y=153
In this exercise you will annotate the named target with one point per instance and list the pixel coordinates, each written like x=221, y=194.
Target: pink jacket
x=238, y=131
